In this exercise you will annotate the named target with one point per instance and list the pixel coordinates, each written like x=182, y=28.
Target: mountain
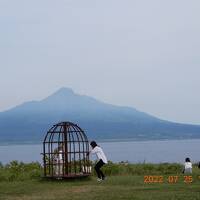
x=31, y=120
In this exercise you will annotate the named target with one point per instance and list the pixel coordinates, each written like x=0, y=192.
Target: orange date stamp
x=153, y=179
x=169, y=179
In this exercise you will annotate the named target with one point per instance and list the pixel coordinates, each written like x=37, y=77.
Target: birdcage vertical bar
x=66, y=149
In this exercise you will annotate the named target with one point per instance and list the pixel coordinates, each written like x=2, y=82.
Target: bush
x=125, y=168
x=19, y=171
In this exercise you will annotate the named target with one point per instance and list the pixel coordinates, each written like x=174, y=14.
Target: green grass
x=124, y=182
x=115, y=187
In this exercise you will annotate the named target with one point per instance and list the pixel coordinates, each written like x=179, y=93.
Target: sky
x=139, y=53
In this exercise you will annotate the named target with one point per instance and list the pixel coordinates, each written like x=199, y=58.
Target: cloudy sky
x=139, y=53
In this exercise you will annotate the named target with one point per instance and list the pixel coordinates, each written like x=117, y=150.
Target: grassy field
x=23, y=181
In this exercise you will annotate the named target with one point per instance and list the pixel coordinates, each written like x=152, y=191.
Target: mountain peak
x=64, y=90
x=62, y=93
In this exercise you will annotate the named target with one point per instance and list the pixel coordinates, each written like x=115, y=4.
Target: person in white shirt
x=58, y=159
x=187, y=166
x=102, y=160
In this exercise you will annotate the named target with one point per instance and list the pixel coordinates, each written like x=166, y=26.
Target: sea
x=154, y=151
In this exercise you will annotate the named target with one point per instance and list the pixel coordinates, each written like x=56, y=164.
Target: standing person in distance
x=187, y=166
x=102, y=160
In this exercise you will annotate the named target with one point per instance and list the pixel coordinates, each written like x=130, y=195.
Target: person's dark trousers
x=98, y=170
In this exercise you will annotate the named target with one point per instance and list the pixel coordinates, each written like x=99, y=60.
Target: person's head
x=60, y=146
x=187, y=160
x=93, y=144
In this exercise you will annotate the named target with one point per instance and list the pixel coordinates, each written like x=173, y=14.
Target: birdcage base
x=67, y=176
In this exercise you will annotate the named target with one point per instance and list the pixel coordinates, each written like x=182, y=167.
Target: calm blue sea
x=132, y=151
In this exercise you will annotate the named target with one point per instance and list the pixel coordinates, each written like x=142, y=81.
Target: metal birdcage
x=65, y=152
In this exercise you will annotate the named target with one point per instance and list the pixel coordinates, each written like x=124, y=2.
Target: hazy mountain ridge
x=30, y=120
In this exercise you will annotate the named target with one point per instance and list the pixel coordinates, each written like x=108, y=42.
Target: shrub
x=141, y=169
x=19, y=171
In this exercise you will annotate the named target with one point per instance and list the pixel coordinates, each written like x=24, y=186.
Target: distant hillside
x=30, y=121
